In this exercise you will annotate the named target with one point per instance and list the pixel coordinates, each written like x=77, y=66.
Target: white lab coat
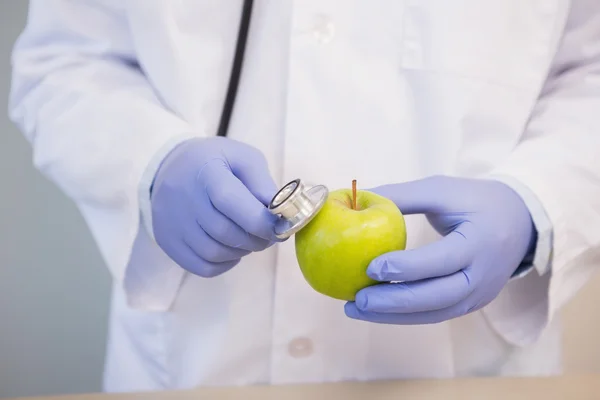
x=383, y=92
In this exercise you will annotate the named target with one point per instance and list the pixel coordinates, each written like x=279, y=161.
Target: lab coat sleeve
x=556, y=165
x=96, y=127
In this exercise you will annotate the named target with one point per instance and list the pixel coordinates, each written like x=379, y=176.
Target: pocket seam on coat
x=442, y=51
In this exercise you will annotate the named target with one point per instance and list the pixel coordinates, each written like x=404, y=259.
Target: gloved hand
x=209, y=203
x=487, y=231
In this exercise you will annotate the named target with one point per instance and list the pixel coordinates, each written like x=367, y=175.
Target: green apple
x=335, y=248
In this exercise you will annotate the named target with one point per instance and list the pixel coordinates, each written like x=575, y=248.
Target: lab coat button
x=324, y=29
x=300, y=347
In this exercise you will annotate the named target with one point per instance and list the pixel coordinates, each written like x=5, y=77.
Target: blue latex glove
x=487, y=231
x=209, y=203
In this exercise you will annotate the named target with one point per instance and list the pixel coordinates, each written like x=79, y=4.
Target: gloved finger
x=251, y=168
x=223, y=230
x=415, y=297
x=229, y=195
x=208, y=248
x=419, y=196
x=185, y=257
x=443, y=257
x=420, y=318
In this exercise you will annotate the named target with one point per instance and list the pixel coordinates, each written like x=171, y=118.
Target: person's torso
x=331, y=91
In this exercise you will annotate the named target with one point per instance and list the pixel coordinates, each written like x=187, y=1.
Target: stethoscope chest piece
x=296, y=205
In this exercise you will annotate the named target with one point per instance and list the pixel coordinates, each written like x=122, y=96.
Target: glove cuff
x=147, y=181
x=540, y=250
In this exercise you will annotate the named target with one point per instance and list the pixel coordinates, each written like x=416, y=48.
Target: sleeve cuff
x=147, y=180
x=541, y=258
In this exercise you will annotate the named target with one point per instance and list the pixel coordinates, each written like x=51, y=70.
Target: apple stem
x=354, y=194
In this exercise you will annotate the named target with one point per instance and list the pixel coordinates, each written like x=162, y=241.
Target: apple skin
x=335, y=248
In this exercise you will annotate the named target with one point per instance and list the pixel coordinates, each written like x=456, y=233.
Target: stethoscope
x=295, y=204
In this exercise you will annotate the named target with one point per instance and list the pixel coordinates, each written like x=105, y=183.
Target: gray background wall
x=54, y=286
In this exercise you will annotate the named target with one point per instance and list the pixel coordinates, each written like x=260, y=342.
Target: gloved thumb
x=259, y=182
x=421, y=196
x=253, y=171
